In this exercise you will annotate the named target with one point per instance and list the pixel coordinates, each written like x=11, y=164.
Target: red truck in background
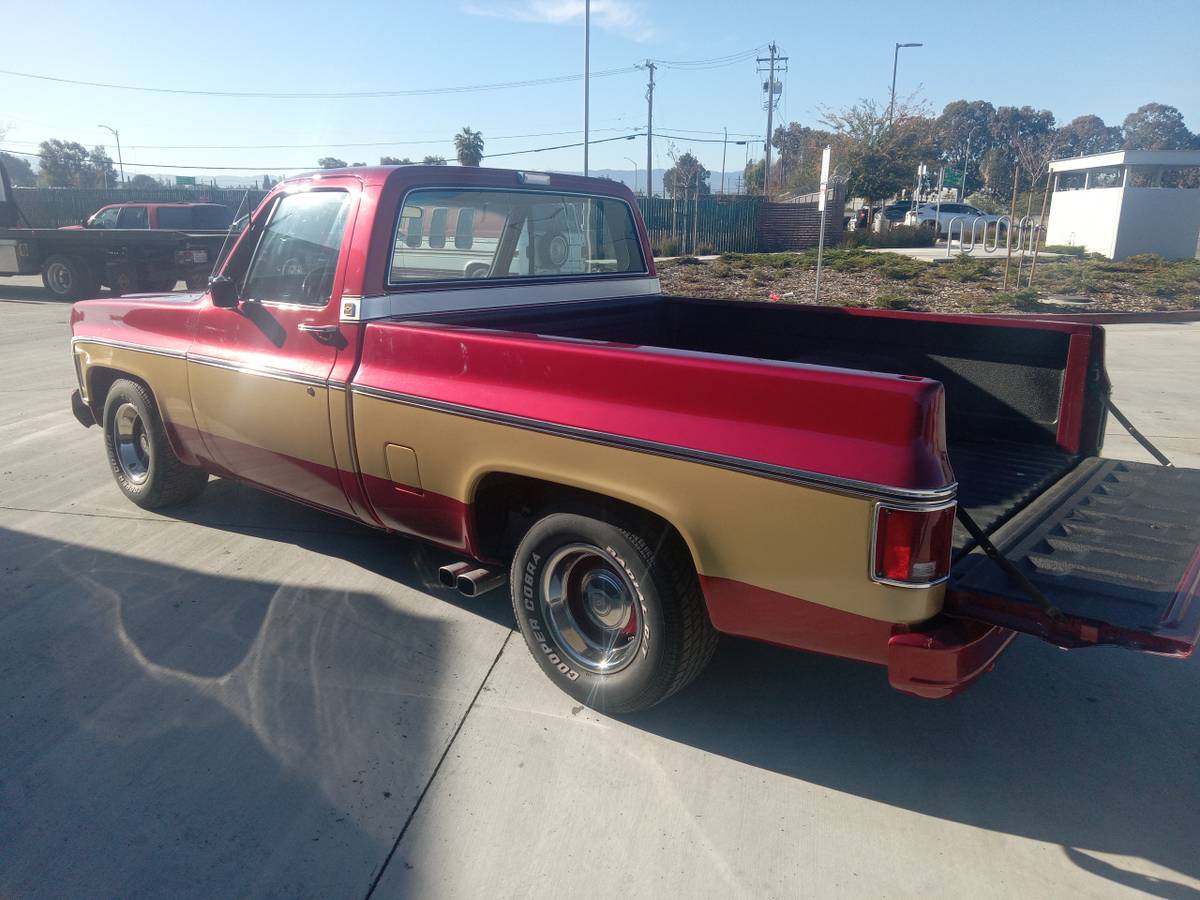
x=126, y=247
x=646, y=471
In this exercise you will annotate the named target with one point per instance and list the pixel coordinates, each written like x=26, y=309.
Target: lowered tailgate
x=1115, y=548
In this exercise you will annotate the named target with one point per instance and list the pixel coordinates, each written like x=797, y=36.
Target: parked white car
x=929, y=213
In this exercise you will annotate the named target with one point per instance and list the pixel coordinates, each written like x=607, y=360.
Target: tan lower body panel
x=166, y=376
x=795, y=540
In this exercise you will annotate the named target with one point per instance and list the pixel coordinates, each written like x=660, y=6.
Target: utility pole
x=773, y=61
x=587, y=51
x=650, y=131
x=724, y=147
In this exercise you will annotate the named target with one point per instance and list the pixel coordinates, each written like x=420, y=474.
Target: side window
x=297, y=251
x=106, y=218
x=133, y=217
x=437, y=228
x=464, y=231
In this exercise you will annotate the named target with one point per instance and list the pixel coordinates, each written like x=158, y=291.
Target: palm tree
x=468, y=145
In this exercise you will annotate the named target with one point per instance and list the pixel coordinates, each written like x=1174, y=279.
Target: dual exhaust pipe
x=470, y=580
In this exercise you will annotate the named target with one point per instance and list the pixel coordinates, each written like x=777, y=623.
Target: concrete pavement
x=247, y=697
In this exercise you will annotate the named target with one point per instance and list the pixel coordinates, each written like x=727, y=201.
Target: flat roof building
x=1127, y=202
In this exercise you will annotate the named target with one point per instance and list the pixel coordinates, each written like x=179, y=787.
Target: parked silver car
x=929, y=213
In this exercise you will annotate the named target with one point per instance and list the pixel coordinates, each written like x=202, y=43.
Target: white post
x=821, y=212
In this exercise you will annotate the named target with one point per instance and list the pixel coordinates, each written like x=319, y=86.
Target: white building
x=1127, y=202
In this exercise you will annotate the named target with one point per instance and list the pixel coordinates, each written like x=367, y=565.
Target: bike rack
x=962, y=227
x=996, y=235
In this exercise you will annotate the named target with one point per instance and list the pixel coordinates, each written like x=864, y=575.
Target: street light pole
x=895, y=63
x=587, y=50
x=121, y=162
x=632, y=160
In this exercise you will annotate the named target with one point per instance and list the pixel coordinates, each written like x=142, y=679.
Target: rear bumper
x=82, y=412
x=945, y=659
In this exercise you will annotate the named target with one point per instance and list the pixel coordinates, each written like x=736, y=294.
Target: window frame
x=411, y=285
x=256, y=239
x=130, y=209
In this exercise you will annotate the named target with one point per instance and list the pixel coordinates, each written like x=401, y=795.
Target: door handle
x=326, y=334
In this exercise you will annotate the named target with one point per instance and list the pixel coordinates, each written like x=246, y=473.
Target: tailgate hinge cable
x=1137, y=435
x=1027, y=587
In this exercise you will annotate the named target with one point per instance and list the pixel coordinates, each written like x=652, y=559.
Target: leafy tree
x=434, y=161
x=394, y=161
x=797, y=167
x=331, y=162
x=1088, y=134
x=267, y=183
x=144, y=183
x=879, y=155
x=752, y=176
x=353, y=165
x=20, y=172
x=964, y=136
x=686, y=176
x=104, y=172
x=468, y=145
x=65, y=164
x=1013, y=128
x=1156, y=126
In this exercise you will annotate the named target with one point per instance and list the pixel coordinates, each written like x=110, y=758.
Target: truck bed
x=1003, y=385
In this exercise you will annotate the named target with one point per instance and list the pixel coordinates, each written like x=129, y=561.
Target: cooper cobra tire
x=611, y=611
x=145, y=467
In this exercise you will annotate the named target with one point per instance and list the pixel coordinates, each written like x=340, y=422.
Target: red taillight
x=913, y=546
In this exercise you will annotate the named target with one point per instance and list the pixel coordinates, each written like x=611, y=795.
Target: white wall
x=1085, y=219
x=1165, y=221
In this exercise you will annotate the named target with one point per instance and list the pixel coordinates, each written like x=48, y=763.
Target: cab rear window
x=449, y=234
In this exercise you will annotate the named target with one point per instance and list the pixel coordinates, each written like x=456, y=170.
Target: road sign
x=824, y=177
x=185, y=179
x=953, y=178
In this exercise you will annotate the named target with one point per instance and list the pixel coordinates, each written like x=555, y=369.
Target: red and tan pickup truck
x=484, y=360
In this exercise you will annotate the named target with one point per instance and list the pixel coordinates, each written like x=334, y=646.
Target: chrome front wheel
x=130, y=443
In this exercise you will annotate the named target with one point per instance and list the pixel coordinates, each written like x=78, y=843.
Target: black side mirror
x=223, y=291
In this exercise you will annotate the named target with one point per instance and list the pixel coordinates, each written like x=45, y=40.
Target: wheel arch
x=98, y=380
x=502, y=505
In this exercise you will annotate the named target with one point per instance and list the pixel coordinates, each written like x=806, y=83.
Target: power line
x=623, y=137
x=715, y=62
x=391, y=143
x=336, y=95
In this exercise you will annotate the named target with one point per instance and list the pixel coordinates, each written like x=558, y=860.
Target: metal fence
x=714, y=224
x=711, y=225
x=56, y=207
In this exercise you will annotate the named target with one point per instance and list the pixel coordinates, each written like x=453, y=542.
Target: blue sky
x=1072, y=58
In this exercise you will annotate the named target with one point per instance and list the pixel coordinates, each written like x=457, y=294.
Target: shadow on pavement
x=1095, y=751
x=170, y=732
x=238, y=508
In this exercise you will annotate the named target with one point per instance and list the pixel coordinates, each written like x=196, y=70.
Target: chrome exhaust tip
x=479, y=581
x=448, y=575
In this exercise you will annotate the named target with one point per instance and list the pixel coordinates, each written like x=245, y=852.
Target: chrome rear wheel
x=591, y=608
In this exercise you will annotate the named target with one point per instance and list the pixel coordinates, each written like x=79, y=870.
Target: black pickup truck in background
x=76, y=262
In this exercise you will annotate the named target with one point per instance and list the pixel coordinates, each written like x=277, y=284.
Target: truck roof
x=475, y=175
